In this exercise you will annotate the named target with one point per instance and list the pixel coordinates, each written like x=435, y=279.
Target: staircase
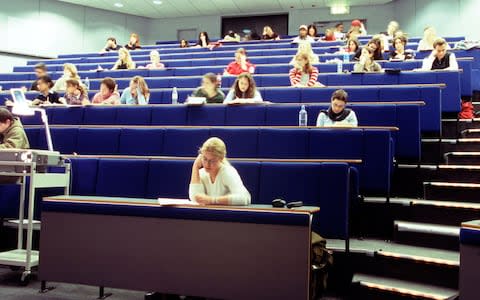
x=411, y=249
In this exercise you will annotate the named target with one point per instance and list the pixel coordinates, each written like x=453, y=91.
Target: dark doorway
x=279, y=24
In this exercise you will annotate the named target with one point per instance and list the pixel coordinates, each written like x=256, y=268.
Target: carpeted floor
x=11, y=290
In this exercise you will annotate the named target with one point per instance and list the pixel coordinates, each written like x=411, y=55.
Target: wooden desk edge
x=58, y=199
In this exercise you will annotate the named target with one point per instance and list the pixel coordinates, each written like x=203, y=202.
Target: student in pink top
x=108, y=92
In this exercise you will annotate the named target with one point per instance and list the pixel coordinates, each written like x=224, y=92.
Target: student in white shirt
x=440, y=58
x=214, y=181
x=429, y=37
x=337, y=115
x=303, y=35
x=69, y=72
x=244, y=87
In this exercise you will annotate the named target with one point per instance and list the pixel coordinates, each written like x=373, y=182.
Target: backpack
x=467, y=111
x=322, y=260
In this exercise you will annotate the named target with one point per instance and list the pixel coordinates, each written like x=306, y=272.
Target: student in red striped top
x=304, y=74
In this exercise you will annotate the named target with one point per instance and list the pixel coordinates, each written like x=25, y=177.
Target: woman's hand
x=198, y=162
x=203, y=199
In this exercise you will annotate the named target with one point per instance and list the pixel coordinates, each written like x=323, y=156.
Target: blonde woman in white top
x=214, y=181
x=306, y=48
x=69, y=72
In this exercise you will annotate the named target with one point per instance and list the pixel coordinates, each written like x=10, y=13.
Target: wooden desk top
x=154, y=203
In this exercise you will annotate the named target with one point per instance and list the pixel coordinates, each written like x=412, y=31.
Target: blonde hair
x=267, y=30
x=72, y=69
x=306, y=48
x=142, y=84
x=392, y=28
x=155, y=54
x=429, y=35
x=215, y=146
x=128, y=58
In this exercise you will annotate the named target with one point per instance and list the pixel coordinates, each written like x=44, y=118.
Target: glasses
x=209, y=161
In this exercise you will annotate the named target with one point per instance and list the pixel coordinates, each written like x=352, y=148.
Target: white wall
x=47, y=27
x=449, y=17
x=166, y=29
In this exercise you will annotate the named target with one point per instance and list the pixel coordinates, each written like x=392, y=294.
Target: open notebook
x=175, y=202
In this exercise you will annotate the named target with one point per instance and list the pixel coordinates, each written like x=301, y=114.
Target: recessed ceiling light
x=118, y=4
x=158, y=2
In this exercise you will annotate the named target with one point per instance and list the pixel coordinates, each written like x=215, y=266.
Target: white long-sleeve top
x=257, y=97
x=227, y=182
x=428, y=62
x=324, y=121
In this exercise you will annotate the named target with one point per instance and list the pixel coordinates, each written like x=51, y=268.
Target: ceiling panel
x=187, y=8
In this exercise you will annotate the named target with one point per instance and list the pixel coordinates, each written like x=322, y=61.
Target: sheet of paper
x=175, y=202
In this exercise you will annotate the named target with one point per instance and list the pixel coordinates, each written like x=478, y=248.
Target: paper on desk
x=175, y=202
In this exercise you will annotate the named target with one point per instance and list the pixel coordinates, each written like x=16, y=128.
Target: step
x=408, y=179
x=452, y=191
x=451, y=128
x=378, y=287
x=462, y=158
x=427, y=234
x=470, y=133
x=433, y=150
x=384, y=258
x=372, y=247
x=443, y=212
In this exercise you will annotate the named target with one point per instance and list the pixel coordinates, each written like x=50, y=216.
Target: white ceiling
x=186, y=8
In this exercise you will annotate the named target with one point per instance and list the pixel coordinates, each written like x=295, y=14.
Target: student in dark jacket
x=134, y=42
x=111, y=45
x=399, y=43
x=46, y=95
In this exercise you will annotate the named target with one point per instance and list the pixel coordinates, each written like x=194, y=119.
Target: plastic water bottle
x=346, y=58
x=87, y=83
x=219, y=80
x=339, y=66
x=174, y=95
x=302, y=117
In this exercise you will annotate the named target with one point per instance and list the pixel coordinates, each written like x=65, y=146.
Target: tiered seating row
x=361, y=39
x=403, y=116
x=430, y=94
x=465, y=75
x=328, y=185
x=373, y=146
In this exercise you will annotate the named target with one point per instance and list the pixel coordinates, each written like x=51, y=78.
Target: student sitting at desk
x=214, y=181
x=46, y=96
x=304, y=74
x=136, y=93
x=366, y=62
x=337, y=114
x=243, y=88
x=399, y=43
x=440, y=58
x=210, y=89
x=12, y=136
x=76, y=94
